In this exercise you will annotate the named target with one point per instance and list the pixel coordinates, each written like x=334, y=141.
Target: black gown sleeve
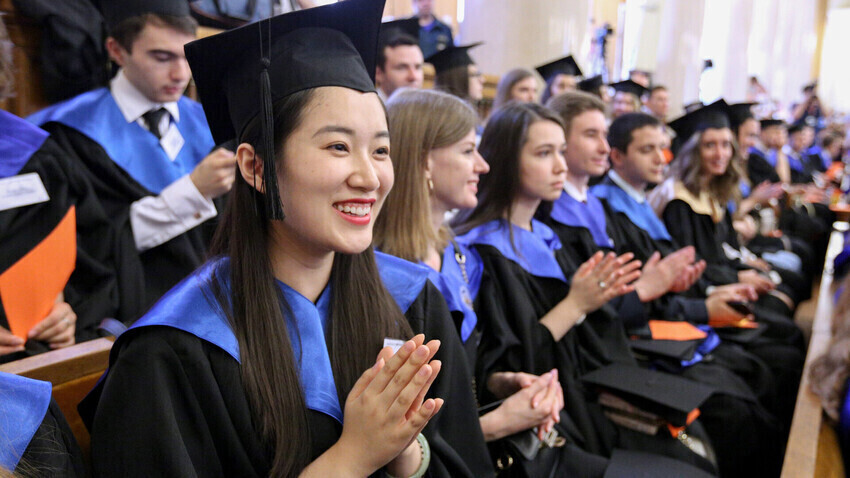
x=690, y=229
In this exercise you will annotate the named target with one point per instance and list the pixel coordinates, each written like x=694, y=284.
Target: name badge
x=172, y=142
x=395, y=344
x=22, y=190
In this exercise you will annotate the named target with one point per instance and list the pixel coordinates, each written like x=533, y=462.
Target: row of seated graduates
x=631, y=309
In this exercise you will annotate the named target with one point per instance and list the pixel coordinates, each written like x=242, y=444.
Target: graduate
x=102, y=283
x=534, y=317
x=595, y=86
x=627, y=97
x=35, y=439
x=456, y=73
x=267, y=361
x=560, y=75
x=518, y=84
x=400, y=59
x=764, y=162
x=145, y=148
x=580, y=221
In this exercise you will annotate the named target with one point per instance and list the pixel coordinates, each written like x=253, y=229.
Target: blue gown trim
x=460, y=295
x=642, y=215
x=191, y=307
x=591, y=216
x=133, y=148
x=23, y=404
x=18, y=141
x=532, y=250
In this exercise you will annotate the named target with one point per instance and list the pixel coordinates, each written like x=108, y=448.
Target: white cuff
x=178, y=208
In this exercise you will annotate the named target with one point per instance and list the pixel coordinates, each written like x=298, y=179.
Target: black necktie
x=152, y=119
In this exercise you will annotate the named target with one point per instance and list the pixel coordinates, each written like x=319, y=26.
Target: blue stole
x=709, y=343
x=18, y=141
x=133, y=148
x=641, y=214
x=459, y=294
x=23, y=404
x=591, y=216
x=769, y=156
x=191, y=307
x=795, y=161
x=532, y=250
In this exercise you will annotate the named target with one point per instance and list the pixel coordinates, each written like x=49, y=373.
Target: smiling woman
x=281, y=331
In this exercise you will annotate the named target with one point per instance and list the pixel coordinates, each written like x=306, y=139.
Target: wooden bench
x=812, y=449
x=73, y=371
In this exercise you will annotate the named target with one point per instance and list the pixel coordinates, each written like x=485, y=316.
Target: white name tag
x=172, y=142
x=22, y=190
x=394, y=343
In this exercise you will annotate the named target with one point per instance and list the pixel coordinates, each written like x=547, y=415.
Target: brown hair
x=506, y=84
x=256, y=307
x=829, y=372
x=127, y=30
x=7, y=67
x=570, y=104
x=420, y=121
x=687, y=168
x=454, y=81
x=501, y=145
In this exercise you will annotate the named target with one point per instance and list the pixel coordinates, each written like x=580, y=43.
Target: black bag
x=227, y=14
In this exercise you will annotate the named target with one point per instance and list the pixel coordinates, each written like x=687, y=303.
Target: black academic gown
x=172, y=403
x=160, y=267
x=509, y=305
x=743, y=381
x=105, y=281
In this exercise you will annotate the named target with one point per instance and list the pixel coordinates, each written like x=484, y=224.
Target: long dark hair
x=455, y=81
x=256, y=308
x=501, y=145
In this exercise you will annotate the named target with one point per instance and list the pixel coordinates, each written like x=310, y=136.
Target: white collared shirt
x=574, y=192
x=639, y=196
x=180, y=206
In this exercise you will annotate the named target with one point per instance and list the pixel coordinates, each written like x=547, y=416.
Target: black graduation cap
x=591, y=85
x=676, y=350
x=405, y=26
x=715, y=115
x=637, y=464
x=563, y=66
x=740, y=112
x=241, y=72
x=629, y=86
x=668, y=396
x=451, y=57
x=769, y=122
x=115, y=11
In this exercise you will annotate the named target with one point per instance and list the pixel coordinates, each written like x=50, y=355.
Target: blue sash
x=133, y=148
x=191, y=307
x=18, y=141
x=459, y=294
x=23, y=404
x=641, y=214
x=532, y=250
x=590, y=216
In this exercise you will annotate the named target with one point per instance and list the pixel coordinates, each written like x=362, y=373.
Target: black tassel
x=274, y=209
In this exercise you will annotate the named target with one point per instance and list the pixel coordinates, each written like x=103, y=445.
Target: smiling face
x=542, y=168
x=643, y=162
x=748, y=135
x=525, y=90
x=587, y=145
x=156, y=64
x=715, y=150
x=335, y=172
x=455, y=170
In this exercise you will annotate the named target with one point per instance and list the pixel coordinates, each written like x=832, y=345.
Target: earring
x=430, y=185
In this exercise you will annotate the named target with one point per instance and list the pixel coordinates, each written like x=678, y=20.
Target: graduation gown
x=104, y=282
x=124, y=163
x=34, y=436
x=178, y=371
x=738, y=376
x=518, y=287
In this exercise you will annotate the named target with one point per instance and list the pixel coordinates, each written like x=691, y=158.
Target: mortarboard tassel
x=274, y=209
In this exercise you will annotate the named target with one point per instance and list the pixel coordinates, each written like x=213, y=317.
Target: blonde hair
x=829, y=372
x=419, y=121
